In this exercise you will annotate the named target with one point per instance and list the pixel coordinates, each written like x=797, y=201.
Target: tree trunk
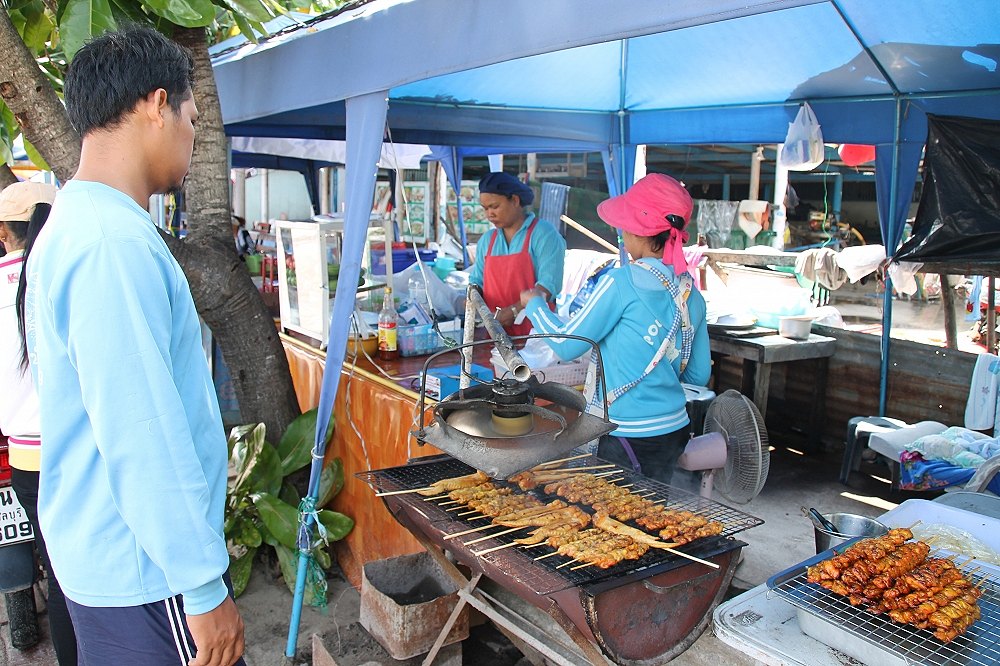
x=7, y=176
x=30, y=96
x=223, y=292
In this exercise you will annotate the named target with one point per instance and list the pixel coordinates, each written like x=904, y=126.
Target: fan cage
x=737, y=419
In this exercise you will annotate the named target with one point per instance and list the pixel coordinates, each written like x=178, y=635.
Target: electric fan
x=733, y=453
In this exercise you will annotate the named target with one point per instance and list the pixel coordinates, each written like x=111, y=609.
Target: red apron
x=506, y=276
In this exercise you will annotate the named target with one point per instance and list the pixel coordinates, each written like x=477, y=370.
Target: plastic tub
x=849, y=526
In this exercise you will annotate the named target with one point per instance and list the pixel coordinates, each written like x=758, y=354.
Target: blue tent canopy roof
x=563, y=71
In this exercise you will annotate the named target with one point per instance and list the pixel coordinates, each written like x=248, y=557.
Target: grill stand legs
x=507, y=620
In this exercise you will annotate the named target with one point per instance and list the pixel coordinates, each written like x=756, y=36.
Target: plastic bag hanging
x=803, y=149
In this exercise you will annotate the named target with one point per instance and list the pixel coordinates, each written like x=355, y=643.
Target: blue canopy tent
x=523, y=76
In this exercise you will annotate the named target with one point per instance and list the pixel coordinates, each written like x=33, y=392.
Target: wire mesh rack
x=978, y=646
x=555, y=572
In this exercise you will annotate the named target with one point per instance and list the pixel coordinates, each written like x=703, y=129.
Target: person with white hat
x=24, y=207
x=649, y=322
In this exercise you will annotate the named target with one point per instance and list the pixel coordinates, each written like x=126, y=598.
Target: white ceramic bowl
x=796, y=328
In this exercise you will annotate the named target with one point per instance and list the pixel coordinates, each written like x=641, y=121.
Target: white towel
x=982, y=406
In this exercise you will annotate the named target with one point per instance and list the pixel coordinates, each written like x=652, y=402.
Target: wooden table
x=760, y=353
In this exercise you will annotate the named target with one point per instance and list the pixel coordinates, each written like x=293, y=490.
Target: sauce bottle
x=387, y=349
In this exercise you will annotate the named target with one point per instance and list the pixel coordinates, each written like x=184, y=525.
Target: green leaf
x=253, y=10
x=265, y=475
x=337, y=524
x=245, y=533
x=17, y=5
x=280, y=519
x=35, y=156
x=295, y=447
x=38, y=25
x=322, y=557
x=288, y=561
x=239, y=570
x=185, y=13
x=331, y=480
x=245, y=447
x=245, y=28
x=289, y=493
x=81, y=20
x=8, y=132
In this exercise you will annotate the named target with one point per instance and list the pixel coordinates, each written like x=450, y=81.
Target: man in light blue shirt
x=133, y=478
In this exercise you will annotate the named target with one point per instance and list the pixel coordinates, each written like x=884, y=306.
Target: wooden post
x=991, y=316
x=950, y=321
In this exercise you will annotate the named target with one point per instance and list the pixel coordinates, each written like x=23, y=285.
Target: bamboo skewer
x=690, y=557
x=544, y=556
x=495, y=548
x=582, y=566
x=403, y=492
x=573, y=470
x=490, y=536
x=468, y=531
x=561, y=460
x=566, y=564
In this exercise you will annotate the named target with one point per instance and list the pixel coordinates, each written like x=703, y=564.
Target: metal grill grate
x=979, y=646
x=546, y=576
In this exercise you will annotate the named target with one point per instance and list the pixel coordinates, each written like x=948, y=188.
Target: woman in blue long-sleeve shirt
x=641, y=315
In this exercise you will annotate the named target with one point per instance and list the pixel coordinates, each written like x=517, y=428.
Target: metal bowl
x=849, y=526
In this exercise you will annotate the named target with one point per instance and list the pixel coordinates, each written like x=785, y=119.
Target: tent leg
x=883, y=386
x=950, y=321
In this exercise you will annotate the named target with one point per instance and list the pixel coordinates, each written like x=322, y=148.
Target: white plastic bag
x=803, y=149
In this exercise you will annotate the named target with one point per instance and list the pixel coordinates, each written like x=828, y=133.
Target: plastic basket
x=570, y=374
x=418, y=340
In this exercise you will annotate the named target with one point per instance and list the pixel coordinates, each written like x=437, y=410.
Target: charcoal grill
x=638, y=613
x=979, y=646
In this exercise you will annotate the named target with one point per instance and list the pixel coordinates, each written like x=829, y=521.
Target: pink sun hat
x=656, y=203
x=643, y=210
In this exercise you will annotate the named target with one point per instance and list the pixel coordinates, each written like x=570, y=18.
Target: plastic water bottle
x=418, y=297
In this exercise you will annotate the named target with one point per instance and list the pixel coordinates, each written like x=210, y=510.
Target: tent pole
x=366, y=117
x=891, y=243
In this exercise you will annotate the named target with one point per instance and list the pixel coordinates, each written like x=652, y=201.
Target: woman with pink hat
x=641, y=314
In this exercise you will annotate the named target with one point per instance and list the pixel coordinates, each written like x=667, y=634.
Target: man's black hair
x=111, y=73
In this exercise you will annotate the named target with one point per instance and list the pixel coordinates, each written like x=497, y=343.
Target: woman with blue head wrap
x=521, y=253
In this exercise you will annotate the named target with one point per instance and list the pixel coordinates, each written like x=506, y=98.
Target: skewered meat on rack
x=933, y=576
x=878, y=575
x=958, y=595
x=603, y=549
x=607, y=498
x=902, y=582
x=445, y=485
x=554, y=535
x=868, y=549
x=482, y=490
x=710, y=529
x=570, y=515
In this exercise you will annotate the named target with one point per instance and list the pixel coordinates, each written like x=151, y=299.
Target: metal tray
x=979, y=646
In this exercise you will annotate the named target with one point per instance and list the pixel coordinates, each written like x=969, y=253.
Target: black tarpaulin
x=958, y=219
